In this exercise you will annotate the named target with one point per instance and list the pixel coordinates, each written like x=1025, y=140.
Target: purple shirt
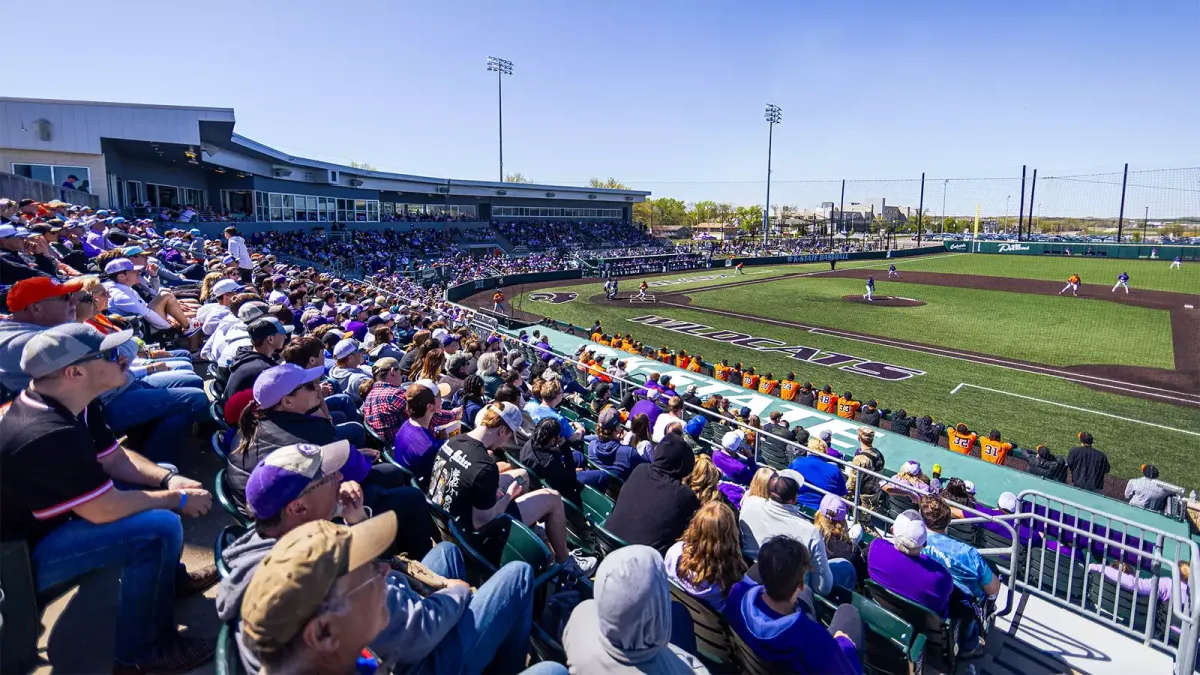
x=736, y=469
x=646, y=407
x=921, y=579
x=1139, y=585
x=416, y=448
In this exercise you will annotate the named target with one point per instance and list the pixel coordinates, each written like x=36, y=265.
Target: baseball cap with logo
x=278, y=381
x=36, y=289
x=253, y=310
x=346, y=347
x=121, y=265
x=290, y=584
x=261, y=329
x=909, y=530
x=225, y=286
x=833, y=507
x=287, y=472
x=56, y=348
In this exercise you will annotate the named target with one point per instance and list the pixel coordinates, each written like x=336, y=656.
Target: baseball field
x=987, y=340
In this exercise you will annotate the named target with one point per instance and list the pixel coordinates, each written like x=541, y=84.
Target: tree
x=663, y=213
x=749, y=218
x=704, y=212
x=610, y=184
x=516, y=178
x=362, y=165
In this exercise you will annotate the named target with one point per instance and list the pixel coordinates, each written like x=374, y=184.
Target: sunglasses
x=110, y=355
x=311, y=386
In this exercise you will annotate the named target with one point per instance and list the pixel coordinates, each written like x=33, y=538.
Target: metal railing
x=1049, y=537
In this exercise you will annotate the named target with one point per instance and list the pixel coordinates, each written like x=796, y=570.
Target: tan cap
x=296, y=576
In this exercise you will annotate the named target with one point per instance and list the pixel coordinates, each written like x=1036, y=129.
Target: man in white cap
x=210, y=314
x=163, y=312
x=972, y=576
x=901, y=566
x=467, y=483
x=762, y=519
x=58, y=464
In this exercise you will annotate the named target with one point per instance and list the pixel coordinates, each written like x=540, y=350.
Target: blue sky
x=669, y=96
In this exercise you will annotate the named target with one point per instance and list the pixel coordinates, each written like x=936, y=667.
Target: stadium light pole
x=501, y=67
x=774, y=115
x=945, y=186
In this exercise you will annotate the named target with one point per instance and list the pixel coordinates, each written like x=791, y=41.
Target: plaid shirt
x=385, y=409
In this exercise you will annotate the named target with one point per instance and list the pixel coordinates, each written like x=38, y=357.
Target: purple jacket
x=648, y=408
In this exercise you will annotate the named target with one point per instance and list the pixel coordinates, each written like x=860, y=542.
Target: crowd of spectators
x=1083, y=466
x=353, y=415
x=574, y=235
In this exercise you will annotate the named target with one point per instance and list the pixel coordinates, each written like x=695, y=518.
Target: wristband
x=167, y=479
x=182, y=501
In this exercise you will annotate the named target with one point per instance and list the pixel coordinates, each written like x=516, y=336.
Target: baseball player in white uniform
x=1122, y=281
x=1177, y=263
x=870, y=294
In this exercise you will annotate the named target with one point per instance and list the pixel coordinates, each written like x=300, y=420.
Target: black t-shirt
x=49, y=464
x=465, y=477
x=1088, y=467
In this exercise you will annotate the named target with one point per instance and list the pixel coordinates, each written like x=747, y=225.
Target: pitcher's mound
x=885, y=301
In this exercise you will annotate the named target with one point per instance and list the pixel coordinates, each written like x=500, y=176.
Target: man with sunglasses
x=59, y=462
x=36, y=304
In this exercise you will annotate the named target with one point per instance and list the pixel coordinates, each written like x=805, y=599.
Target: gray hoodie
x=414, y=630
x=627, y=628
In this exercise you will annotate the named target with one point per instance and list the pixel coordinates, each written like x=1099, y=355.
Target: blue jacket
x=614, y=456
x=795, y=643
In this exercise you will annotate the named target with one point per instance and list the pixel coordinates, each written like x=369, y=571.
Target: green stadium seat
x=506, y=540
x=218, y=444
x=890, y=639
x=607, y=542
x=941, y=634
x=747, y=661
x=222, y=494
x=596, y=505
x=227, y=659
x=711, y=630
x=1124, y=606
x=1055, y=574
x=614, y=481
x=228, y=535
x=374, y=440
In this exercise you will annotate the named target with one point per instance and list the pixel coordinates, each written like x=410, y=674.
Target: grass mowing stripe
x=1024, y=422
x=1148, y=274
x=1053, y=330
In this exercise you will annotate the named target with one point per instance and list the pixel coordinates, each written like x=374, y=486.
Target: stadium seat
x=228, y=660
x=1125, y=607
x=891, y=647
x=222, y=494
x=607, y=542
x=1053, y=573
x=747, y=661
x=219, y=447
x=579, y=527
x=941, y=634
x=216, y=411
x=614, y=481
x=374, y=440
x=989, y=539
x=228, y=535
x=596, y=505
x=967, y=534
x=711, y=629
x=506, y=540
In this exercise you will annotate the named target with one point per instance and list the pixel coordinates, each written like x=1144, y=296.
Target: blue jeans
x=146, y=546
x=844, y=574
x=341, y=408
x=493, y=633
x=351, y=431
x=164, y=400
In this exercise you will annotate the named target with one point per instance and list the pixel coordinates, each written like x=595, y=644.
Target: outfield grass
x=1127, y=443
x=1051, y=330
x=1148, y=274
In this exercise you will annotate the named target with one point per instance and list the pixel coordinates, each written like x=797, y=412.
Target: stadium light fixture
x=773, y=115
x=501, y=67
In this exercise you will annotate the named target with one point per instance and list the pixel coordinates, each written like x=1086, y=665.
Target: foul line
x=730, y=279
x=1064, y=405
x=1078, y=378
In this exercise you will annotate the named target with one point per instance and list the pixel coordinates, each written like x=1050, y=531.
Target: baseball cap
x=253, y=310
x=261, y=329
x=225, y=286
x=286, y=473
x=290, y=584
x=449, y=340
x=438, y=334
x=970, y=486
x=937, y=469
x=102, y=213
x=732, y=440
x=346, y=347
x=1007, y=502
x=652, y=394
x=131, y=251
x=833, y=507
x=385, y=364
x=276, y=382
x=121, y=265
x=56, y=348
x=827, y=436
x=440, y=388
x=909, y=529
x=510, y=413
x=7, y=231
x=36, y=289
x=744, y=413
x=610, y=418
x=373, y=321
x=912, y=468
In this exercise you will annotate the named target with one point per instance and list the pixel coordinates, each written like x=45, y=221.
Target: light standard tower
x=945, y=186
x=774, y=115
x=501, y=67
